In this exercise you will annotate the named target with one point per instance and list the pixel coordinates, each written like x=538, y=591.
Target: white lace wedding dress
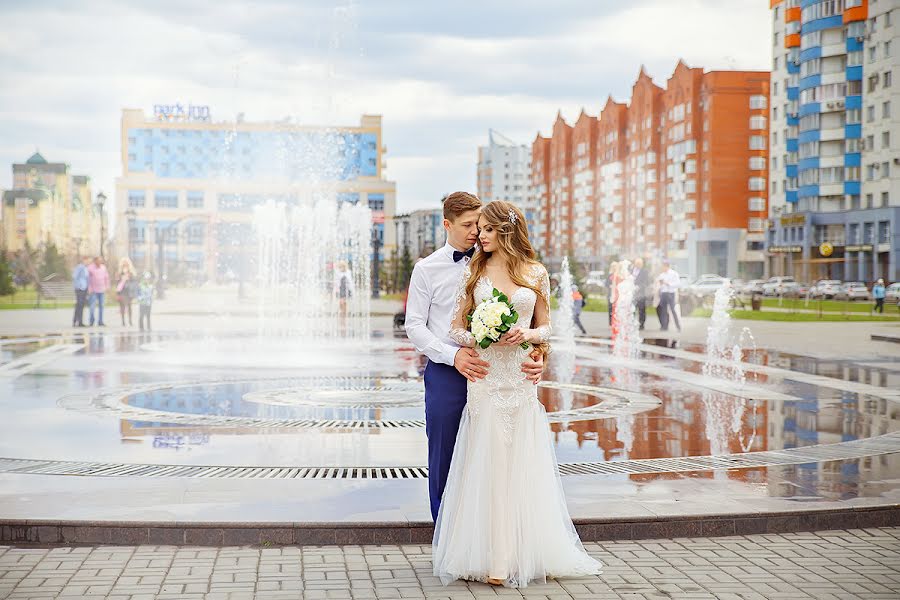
x=503, y=513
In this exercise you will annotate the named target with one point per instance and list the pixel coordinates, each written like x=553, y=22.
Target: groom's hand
x=470, y=365
x=533, y=367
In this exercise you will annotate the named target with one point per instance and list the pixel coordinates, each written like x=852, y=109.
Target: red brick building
x=675, y=172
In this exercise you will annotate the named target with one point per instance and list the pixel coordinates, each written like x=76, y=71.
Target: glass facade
x=252, y=155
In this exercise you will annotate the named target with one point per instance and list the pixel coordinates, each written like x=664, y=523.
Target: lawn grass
x=26, y=298
x=859, y=306
x=763, y=315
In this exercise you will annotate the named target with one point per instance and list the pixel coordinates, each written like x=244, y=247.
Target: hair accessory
x=512, y=216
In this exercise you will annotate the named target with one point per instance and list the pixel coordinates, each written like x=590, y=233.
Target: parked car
x=892, y=293
x=854, y=290
x=707, y=285
x=775, y=286
x=754, y=286
x=793, y=289
x=825, y=288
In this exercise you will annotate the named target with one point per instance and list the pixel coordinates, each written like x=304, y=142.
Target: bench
x=57, y=290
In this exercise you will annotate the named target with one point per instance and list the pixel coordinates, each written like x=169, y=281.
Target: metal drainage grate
x=884, y=444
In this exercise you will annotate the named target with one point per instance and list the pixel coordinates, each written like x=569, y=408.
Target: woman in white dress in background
x=503, y=517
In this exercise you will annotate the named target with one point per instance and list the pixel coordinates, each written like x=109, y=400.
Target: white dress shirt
x=668, y=281
x=431, y=302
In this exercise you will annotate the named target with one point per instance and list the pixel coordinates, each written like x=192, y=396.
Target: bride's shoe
x=494, y=581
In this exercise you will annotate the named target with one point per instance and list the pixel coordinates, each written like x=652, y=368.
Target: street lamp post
x=101, y=207
x=131, y=215
x=376, y=244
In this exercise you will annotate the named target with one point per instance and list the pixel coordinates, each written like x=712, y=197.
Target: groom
x=429, y=311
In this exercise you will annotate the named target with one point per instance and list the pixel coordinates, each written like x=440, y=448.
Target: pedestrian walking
x=578, y=303
x=98, y=283
x=878, y=293
x=641, y=291
x=126, y=288
x=80, y=281
x=668, y=282
x=145, y=301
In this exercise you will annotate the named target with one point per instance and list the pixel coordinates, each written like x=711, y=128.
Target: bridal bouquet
x=492, y=318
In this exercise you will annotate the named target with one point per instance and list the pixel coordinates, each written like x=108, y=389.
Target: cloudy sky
x=440, y=73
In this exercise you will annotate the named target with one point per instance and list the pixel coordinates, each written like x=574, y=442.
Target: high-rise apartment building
x=835, y=171
x=504, y=173
x=677, y=172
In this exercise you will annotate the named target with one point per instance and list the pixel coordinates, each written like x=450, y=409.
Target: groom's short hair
x=457, y=203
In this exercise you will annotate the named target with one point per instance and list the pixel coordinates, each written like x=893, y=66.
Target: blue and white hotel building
x=192, y=183
x=834, y=202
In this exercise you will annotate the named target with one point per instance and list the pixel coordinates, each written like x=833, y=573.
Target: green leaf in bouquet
x=496, y=292
x=485, y=343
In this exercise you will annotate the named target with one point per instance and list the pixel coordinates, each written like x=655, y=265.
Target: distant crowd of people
x=91, y=282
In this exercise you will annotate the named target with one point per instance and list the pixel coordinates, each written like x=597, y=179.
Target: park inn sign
x=181, y=113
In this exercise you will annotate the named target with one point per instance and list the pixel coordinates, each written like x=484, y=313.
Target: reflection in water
x=680, y=426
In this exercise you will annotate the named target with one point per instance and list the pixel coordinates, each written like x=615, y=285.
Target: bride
x=503, y=518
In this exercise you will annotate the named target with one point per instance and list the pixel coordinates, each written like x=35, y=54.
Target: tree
x=6, y=280
x=406, y=267
x=25, y=266
x=53, y=263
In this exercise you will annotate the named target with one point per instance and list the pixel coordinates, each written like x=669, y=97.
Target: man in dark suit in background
x=641, y=290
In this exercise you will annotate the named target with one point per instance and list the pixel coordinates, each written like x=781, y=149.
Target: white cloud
x=440, y=75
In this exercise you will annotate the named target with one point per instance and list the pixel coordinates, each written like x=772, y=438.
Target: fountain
x=626, y=333
x=563, y=358
x=300, y=250
x=724, y=360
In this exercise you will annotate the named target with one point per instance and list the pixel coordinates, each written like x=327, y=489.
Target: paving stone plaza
x=830, y=565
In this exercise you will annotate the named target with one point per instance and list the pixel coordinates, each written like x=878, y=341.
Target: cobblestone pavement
x=822, y=565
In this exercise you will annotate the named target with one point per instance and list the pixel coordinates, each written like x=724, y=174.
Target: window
x=757, y=142
x=809, y=40
x=809, y=122
x=775, y=39
x=885, y=198
x=870, y=114
x=775, y=64
x=870, y=142
x=165, y=199
x=851, y=173
x=757, y=184
x=195, y=199
x=886, y=110
x=811, y=67
x=758, y=101
x=757, y=122
x=853, y=145
x=887, y=49
x=195, y=233
x=136, y=199
x=758, y=163
x=885, y=170
x=756, y=204
x=809, y=149
x=885, y=140
x=872, y=50
x=887, y=79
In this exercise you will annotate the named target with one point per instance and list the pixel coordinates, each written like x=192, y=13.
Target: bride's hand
x=513, y=337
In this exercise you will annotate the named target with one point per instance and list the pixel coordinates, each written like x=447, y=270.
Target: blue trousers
x=97, y=298
x=445, y=399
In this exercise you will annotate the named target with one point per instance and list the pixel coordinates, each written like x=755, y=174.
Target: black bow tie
x=457, y=255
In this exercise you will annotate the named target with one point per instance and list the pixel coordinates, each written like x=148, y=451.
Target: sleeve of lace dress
x=459, y=331
x=542, y=328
